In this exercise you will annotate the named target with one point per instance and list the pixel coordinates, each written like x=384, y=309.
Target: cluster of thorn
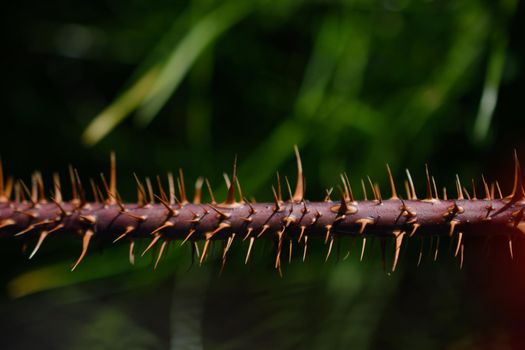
x=164, y=217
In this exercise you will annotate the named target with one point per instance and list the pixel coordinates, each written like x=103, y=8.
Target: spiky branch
x=163, y=217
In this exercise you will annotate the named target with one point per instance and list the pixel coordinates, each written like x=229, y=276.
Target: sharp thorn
x=399, y=240
x=159, y=256
x=392, y=184
x=85, y=245
x=151, y=244
x=252, y=239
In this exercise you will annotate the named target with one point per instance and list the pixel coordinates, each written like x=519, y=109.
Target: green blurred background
x=355, y=84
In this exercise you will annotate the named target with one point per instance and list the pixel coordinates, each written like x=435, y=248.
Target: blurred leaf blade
x=154, y=87
x=184, y=55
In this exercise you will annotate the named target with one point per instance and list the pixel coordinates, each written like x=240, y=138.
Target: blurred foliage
x=355, y=84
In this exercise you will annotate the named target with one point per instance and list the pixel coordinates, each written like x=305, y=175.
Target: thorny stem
x=297, y=219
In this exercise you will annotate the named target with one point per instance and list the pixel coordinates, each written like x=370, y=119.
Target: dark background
x=356, y=84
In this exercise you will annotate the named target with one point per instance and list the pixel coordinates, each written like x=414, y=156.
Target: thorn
x=445, y=193
x=221, y=214
x=182, y=188
x=152, y=243
x=437, y=249
x=466, y=193
x=435, y=188
x=228, y=245
x=407, y=190
x=500, y=194
x=139, y=218
x=305, y=247
x=204, y=250
x=85, y=245
x=378, y=191
x=63, y=212
x=486, y=187
x=392, y=184
x=365, y=196
x=161, y=190
x=226, y=180
x=81, y=191
x=363, y=222
x=32, y=227
x=453, y=224
x=301, y=234
x=230, y=199
x=41, y=238
x=290, y=248
x=150, y=191
x=192, y=231
x=264, y=228
x=399, y=240
x=327, y=235
x=373, y=188
x=345, y=193
x=29, y=194
x=279, y=194
x=411, y=183
x=95, y=191
x=279, y=248
x=276, y=200
x=131, y=252
x=171, y=212
x=461, y=256
x=511, y=251
x=420, y=257
x=474, y=192
x=222, y=226
x=429, y=187
x=212, y=197
x=74, y=191
x=38, y=187
x=329, y=248
x=414, y=229
x=289, y=189
x=363, y=249
x=58, y=192
x=241, y=197
x=299, y=187
x=171, y=188
x=110, y=196
x=196, y=249
x=350, y=192
x=128, y=230
x=458, y=188
x=248, y=233
x=161, y=251
x=458, y=245
x=252, y=239
x=328, y=193
x=162, y=227
x=289, y=220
